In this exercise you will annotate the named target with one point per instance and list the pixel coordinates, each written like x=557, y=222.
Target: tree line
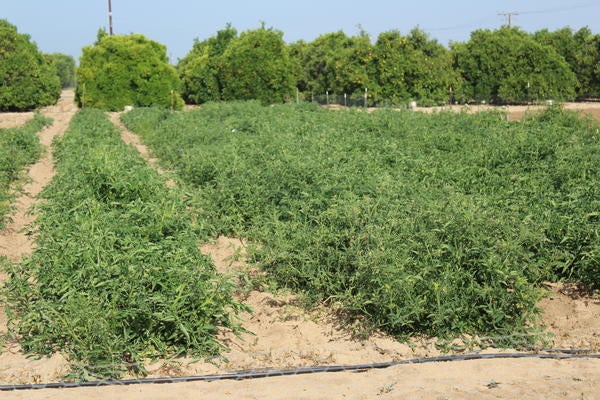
x=502, y=66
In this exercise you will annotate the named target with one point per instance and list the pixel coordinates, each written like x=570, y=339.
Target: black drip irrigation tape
x=266, y=373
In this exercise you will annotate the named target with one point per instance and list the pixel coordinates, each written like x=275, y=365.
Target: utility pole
x=110, y=28
x=508, y=16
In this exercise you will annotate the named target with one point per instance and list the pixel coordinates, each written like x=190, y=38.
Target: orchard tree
x=253, y=65
x=430, y=76
x=391, y=64
x=126, y=70
x=199, y=69
x=413, y=67
x=65, y=67
x=587, y=64
x=337, y=63
x=256, y=65
x=298, y=52
x=28, y=78
x=563, y=40
x=508, y=66
x=581, y=50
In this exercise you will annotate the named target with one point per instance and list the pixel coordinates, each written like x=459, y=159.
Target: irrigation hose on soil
x=266, y=373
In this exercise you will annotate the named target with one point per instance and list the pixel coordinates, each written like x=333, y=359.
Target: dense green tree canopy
x=126, y=70
x=254, y=65
x=503, y=66
x=28, y=79
x=508, y=66
x=413, y=67
x=199, y=69
x=581, y=50
x=337, y=63
x=65, y=66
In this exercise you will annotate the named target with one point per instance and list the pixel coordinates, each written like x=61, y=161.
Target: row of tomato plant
x=116, y=275
x=416, y=224
x=19, y=147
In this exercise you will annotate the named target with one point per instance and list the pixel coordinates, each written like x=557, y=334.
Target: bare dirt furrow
x=17, y=241
x=134, y=140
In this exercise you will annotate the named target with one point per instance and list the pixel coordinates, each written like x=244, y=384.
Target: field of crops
x=416, y=224
x=116, y=275
x=18, y=147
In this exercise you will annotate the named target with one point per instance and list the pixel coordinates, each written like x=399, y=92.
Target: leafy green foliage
x=413, y=68
x=199, y=69
x=503, y=66
x=28, y=79
x=298, y=52
x=126, y=70
x=256, y=65
x=439, y=224
x=65, y=66
x=394, y=70
x=18, y=148
x=339, y=64
x=116, y=275
x=581, y=50
x=509, y=66
x=253, y=65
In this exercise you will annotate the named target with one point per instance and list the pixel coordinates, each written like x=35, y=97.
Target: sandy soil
x=133, y=140
x=516, y=113
x=283, y=335
x=12, y=120
x=474, y=380
x=17, y=240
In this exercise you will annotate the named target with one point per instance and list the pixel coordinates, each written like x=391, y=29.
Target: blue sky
x=68, y=25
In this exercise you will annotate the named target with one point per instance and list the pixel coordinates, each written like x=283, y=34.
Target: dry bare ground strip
x=516, y=113
x=132, y=139
x=470, y=380
x=14, y=119
x=16, y=241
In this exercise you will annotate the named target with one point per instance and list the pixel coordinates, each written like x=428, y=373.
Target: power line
x=508, y=16
x=560, y=9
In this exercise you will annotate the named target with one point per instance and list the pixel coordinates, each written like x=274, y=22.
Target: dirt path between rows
x=517, y=113
x=284, y=335
x=17, y=241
